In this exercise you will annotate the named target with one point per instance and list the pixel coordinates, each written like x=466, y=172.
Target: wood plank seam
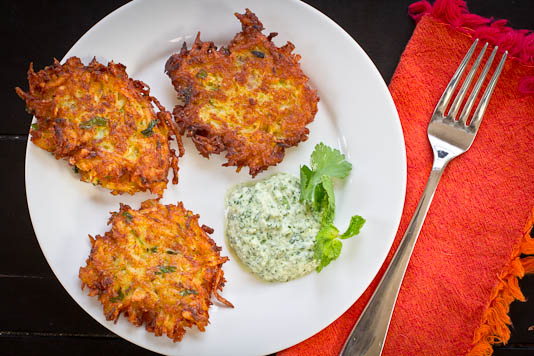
x=24, y=334
x=23, y=276
x=14, y=137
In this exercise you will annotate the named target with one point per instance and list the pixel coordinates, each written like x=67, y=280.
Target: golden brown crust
x=251, y=99
x=103, y=123
x=156, y=266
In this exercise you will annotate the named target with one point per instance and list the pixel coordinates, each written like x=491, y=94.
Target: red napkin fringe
x=520, y=46
x=495, y=320
x=518, y=43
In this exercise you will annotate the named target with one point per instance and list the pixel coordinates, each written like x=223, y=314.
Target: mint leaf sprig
x=317, y=190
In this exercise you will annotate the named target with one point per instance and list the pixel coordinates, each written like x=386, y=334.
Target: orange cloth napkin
x=464, y=270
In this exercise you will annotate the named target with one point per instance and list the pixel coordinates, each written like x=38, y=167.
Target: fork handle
x=368, y=335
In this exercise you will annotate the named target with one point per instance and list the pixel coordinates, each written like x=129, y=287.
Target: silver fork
x=449, y=136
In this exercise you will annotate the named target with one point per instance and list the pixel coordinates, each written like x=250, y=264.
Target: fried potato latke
x=103, y=124
x=156, y=266
x=250, y=99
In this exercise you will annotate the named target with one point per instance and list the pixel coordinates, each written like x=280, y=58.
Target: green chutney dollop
x=270, y=229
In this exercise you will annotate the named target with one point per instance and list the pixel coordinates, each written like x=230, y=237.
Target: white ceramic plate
x=356, y=114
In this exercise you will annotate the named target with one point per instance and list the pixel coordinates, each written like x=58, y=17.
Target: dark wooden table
x=37, y=316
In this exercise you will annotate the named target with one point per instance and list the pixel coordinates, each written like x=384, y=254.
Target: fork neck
x=441, y=159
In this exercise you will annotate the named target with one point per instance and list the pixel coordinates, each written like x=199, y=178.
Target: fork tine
x=446, y=97
x=471, y=100
x=479, y=112
x=463, y=90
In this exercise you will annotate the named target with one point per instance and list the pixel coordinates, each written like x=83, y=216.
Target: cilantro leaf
x=327, y=246
x=317, y=190
x=325, y=161
x=320, y=198
x=329, y=161
x=355, y=225
x=305, y=176
x=329, y=208
x=327, y=241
